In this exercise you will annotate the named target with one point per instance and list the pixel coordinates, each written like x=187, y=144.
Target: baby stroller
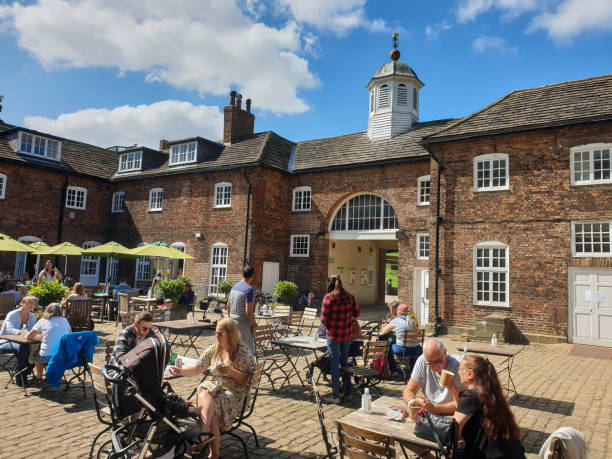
x=154, y=427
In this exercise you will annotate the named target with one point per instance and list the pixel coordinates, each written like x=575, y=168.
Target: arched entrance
x=362, y=234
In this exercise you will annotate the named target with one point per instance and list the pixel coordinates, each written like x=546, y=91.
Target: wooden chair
x=89, y=291
x=101, y=287
x=368, y=377
x=124, y=307
x=103, y=402
x=359, y=443
x=406, y=362
x=7, y=304
x=270, y=357
x=309, y=320
x=128, y=318
x=78, y=313
x=294, y=322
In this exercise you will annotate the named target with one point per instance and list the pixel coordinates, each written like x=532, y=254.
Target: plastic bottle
x=366, y=401
x=24, y=330
x=494, y=340
x=464, y=353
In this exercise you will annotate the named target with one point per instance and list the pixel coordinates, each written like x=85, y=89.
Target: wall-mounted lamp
x=198, y=235
x=321, y=235
x=358, y=249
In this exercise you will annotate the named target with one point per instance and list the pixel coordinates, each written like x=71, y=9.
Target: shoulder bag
x=439, y=429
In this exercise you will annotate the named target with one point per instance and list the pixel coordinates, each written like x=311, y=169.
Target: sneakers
x=332, y=399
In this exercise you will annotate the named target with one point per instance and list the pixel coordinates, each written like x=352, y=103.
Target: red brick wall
x=533, y=218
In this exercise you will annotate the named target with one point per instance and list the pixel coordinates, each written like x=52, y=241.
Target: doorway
x=421, y=289
x=590, y=306
x=270, y=276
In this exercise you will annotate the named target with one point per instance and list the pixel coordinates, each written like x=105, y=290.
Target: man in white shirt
x=426, y=376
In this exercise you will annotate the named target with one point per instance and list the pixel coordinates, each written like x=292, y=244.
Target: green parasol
x=65, y=249
x=109, y=250
x=8, y=244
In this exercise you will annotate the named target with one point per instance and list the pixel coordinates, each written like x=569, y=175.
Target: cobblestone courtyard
x=556, y=389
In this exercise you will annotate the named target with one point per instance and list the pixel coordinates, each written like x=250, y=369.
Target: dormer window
x=130, y=161
x=383, y=96
x=39, y=146
x=183, y=153
x=402, y=95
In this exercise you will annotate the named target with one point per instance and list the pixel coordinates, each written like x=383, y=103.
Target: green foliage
x=225, y=286
x=171, y=288
x=49, y=292
x=285, y=291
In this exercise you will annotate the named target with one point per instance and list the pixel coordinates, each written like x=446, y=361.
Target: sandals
x=202, y=441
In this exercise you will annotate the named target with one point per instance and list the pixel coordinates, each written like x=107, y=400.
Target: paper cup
x=445, y=377
x=413, y=407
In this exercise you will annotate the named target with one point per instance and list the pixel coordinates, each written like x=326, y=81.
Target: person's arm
x=193, y=370
x=387, y=329
x=228, y=306
x=13, y=324
x=58, y=275
x=410, y=390
x=227, y=370
x=33, y=335
x=250, y=312
x=325, y=311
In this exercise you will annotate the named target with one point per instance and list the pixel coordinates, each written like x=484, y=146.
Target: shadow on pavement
x=542, y=404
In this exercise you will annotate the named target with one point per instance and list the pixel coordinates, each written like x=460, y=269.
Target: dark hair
x=143, y=316
x=498, y=421
x=187, y=284
x=248, y=271
x=331, y=285
x=49, y=261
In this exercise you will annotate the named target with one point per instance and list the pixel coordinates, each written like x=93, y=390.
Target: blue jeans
x=396, y=349
x=338, y=355
x=22, y=352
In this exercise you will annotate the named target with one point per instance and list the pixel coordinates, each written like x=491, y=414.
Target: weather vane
x=395, y=54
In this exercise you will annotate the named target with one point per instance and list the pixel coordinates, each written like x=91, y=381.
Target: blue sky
x=114, y=72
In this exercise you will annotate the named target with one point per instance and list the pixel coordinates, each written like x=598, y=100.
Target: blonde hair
x=228, y=326
x=78, y=289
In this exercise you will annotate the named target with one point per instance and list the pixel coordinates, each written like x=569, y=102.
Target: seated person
x=130, y=336
x=50, y=273
x=11, y=289
x=12, y=325
x=187, y=298
x=77, y=293
x=25, y=277
x=487, y=427
x=49, y=329
x=123, y=287
x=220, y=399
x=392, y=311
x=398, y=326
x=426, y=376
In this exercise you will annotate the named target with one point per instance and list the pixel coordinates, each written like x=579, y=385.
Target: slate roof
x=76, y=157
x=356, y=149
x=559, y=104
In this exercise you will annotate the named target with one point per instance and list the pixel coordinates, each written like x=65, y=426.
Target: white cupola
x=394, y=98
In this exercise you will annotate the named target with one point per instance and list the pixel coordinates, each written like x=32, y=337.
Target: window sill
x=76, y=208
x=57, y=160
x=299, y=256
x=300, y=210
x=155, y=210
x=488, y=190
x=592, y=255
x=422, y=259
x=116, y=211
x=223, y=207
x=423, y=204
x=599, y=182
x=491, y=305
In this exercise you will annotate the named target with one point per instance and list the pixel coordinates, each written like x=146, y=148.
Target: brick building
x=523, y=217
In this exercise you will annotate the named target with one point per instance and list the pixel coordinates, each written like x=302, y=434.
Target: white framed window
x=2, y=185
x=130, y=161
x=143, y=267
x=422, y=246
x=156, y=198
x=415, y=99
x=118, y=202
x=424, y=190
x=76, y=197
x=300, y=245
x=183, y=153
x=591, y=239
x=402, y=95
x=491, y=274
x=301, y=199
x=364, y=212
x=218, y=266
x=90, y=264
x=39, y=146
x=590, y=164
x=223, y=194
x=491, y=172
x=383, y=97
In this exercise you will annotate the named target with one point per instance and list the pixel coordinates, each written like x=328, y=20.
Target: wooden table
x=504, y=350
x=148, y=302
x=402, y=432
x=105, y=304
x=302, y=344
x=178, y=326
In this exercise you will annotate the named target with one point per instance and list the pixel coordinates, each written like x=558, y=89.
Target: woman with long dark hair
x=338, y=310
x=487, y=428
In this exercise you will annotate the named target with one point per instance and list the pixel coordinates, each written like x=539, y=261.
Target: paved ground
x=557, y=389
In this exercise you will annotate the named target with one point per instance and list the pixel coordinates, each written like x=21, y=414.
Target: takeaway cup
x=445, y=377
x=413, y=407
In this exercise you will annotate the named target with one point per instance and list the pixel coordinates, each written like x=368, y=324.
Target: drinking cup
x=413, y=407
x=172, y=358
x=445, y=377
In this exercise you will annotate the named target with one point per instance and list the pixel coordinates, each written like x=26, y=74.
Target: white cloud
x=129, y=125
x=573, y=17
x=210, y=48
x=338, y=16
x=434, y=31
x=488, y=42
x=467, y=10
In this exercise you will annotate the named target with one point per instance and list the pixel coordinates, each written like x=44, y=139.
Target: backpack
x=381, y=366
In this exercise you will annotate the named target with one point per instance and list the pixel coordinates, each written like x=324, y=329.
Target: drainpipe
x=438, y=319
x=246, y=225
x=60, y=225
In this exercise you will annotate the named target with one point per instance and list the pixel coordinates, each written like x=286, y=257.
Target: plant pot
x=178, y=314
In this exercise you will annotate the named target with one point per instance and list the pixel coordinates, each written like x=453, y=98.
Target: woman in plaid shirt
x=339, y=308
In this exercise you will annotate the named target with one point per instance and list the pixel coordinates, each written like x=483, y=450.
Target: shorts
x=43, y=358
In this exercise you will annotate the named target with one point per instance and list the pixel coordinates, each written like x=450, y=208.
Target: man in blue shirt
x=123, y=287
x=241, y=307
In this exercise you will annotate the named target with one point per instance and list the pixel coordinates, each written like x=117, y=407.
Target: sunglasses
x=144, y=329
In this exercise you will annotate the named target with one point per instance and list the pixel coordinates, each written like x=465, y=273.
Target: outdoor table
x=402, y=432
x=105, y=304
x=148, y=302
x=178, y=326
x=302, y=344
x=187, y=362
x=273, y=319
x=504, y=350
x=21, y=340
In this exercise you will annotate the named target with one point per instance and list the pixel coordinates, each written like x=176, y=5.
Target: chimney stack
x=237, y=123
x=163, y=145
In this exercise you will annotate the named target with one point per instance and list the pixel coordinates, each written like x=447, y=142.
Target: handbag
x=356, y=332
x=436, y=428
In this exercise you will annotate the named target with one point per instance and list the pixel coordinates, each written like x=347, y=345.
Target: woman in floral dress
x=220, y=399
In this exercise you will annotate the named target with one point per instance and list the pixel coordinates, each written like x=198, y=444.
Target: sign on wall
x=594, y=296
x=352, y=276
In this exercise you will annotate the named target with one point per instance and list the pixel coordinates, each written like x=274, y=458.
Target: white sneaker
x=332, y=399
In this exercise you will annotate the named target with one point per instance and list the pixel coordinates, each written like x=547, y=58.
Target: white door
x=590, y=306
x=90, y=267
x=421, y=288
x=269, y=277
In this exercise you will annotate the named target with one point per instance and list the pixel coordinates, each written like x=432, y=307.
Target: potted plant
x=225, y=287
x=172, y=289
x=49, y=292
x=285, y=292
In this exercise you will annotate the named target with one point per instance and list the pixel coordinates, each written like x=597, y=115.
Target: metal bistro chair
x=364, y=375
x=309, y=320
x=406, y=362
x=360, y=443
x=78, y=313
x=270, y=357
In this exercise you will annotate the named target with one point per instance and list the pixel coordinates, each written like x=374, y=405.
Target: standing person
x=50, y=273
x=12, y=325
x=241, y=307
x=487, y=427
x=154, y=282
x=338, y=310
